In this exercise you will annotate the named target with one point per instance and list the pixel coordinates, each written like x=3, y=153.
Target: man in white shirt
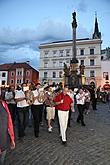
x=22, y=110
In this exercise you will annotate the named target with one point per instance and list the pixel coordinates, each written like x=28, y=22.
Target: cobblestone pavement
x=88, y=145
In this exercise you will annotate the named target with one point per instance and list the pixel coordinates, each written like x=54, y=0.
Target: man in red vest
x=63, y=103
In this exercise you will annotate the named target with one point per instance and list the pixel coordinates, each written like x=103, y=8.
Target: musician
x=50, y=106
x=36, y=109
x=80, y=99
x=6, y=130
x=22, y=110
x=10, y=100
x=63, y=102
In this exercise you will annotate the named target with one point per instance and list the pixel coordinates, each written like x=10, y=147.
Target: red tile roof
x=5, y=67
x=13, y=66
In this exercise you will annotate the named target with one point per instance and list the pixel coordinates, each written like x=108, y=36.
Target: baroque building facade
x=54, y=55
x=88, y=53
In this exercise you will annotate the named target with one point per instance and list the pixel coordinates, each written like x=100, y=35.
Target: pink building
x=17, y=73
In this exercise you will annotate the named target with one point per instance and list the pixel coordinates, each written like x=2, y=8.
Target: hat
x=46, y=86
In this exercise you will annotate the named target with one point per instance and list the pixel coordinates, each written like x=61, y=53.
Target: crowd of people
x=29, y=103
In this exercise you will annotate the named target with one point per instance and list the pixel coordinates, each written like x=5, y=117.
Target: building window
x=67, y=62
x=12, y=74
x=68, y=52
x=82, y=62
x=54, y=74
x=61, y=53
x=54, y=52
x=19, y=73
x=45, y=74
x=91, y=62
x=105, y=74
x=18, y=81
x=3, y=74
x=27, y=81
x=60, y=63
x=27, y=73
x=46, y=53
x=3, y=82
x=60, y=74
x=45, y=64
x=92, y=74
x=91, y=51
x=54, y=64
x=81, y=52
x=12, y=81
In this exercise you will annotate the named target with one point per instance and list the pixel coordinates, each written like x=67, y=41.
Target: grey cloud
x=22, y=44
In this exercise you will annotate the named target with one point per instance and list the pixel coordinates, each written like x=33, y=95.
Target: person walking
x=22, y=110
x=63, y=102
x=50, y=106
x=80, y=99
x=6, y=131
x=94, y=98
x=10, y=100
x=71, y=94
x=36, y=109
x=87, y=101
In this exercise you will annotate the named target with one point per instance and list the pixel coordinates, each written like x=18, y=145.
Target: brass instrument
x=41, y=96
x=29, y=97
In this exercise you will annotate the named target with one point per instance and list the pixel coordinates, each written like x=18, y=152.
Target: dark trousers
x=36, y=117
x=69, y=118
x=12, y=109
x=23, y=117
x=94, y=103
x=41, y=113
x=81, y=113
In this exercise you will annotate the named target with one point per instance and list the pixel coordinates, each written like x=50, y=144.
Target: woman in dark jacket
x=6, y=131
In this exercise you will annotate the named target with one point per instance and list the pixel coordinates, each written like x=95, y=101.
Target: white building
x=3, y=77
x=105, y=73
x=53, y=56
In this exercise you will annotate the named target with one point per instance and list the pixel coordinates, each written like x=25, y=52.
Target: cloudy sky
x=25, y=24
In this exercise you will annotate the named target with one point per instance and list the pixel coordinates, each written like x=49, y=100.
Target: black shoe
x=36, y=135
x=64, y=143
x=83, y=124
x=61, y=138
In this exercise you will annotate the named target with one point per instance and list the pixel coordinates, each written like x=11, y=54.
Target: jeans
x=23, y=118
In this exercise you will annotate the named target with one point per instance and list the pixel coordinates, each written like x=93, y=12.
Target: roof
x=65, y=41
x=13, y=66
x=5, y=67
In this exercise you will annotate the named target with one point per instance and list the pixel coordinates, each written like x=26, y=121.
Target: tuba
x=41, y=96
x=29, y=96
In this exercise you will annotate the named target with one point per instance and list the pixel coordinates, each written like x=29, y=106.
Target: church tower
x=96, y=34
